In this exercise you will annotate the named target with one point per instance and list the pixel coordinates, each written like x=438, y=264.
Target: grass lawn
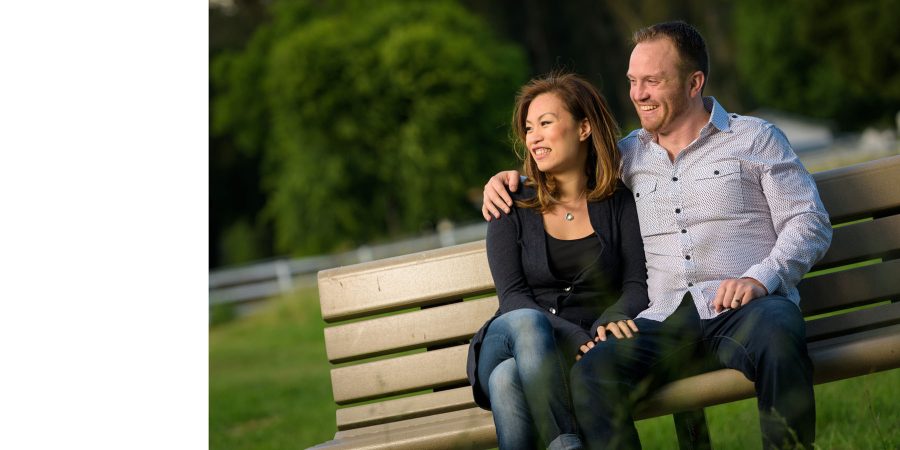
x=269, y=388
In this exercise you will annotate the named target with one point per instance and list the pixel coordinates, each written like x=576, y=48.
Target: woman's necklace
x=569, y=216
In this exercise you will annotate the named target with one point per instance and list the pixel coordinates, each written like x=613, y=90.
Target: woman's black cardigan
x=613, y=288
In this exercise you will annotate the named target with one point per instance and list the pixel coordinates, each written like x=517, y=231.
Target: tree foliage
x=833, y=60
x=374, y=119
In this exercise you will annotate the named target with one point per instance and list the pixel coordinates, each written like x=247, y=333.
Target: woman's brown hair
x=583, y=101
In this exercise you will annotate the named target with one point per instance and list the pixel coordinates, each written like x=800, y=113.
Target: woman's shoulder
x=517, y=213
x=622, y=192
x=524, y=193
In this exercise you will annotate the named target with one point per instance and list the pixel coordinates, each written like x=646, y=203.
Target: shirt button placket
x=680, y=221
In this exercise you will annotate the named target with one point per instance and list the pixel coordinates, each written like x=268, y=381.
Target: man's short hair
x=687, y=40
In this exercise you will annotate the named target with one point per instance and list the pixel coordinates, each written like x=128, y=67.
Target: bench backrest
x=401, y=325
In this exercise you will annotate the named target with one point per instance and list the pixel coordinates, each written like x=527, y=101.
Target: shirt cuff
x=768, y=277
x=576, y=339
x=605, y=318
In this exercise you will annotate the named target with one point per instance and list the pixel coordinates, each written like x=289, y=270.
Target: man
x=731, y=221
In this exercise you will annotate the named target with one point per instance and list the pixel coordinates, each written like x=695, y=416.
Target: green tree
x=373, y=120
x=826, y=59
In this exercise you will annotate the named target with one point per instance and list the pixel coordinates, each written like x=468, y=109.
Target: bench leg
x=693, y=434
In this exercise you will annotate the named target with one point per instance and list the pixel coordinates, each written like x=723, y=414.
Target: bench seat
x=401, y=326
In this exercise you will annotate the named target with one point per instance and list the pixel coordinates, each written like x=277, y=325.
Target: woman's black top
x=612, y=287
x=568, y=258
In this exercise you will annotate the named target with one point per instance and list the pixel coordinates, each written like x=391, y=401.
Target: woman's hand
x=586, y=347
x=623, y=329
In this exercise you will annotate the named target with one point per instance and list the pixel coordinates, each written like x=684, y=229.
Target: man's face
x=659, y=91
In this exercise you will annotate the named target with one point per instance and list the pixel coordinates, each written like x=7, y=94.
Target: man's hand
x=623, y=329
x=495, y=196
x=736, y=292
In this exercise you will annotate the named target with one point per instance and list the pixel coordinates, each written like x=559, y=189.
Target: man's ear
x=585, y=130
x=697, y=80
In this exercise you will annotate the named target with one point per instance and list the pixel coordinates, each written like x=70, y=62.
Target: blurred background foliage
x=343, y=122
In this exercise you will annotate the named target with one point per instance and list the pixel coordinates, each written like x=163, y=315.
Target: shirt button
x=687, y=257
x=690, y=284
x=684, y=231
x=677, y=210
x=716, y=172
x=674, y=178
x=638, y=194
x=553, y=311
x=568, y=288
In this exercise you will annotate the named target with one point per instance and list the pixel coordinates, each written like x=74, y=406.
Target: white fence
x=243, y=285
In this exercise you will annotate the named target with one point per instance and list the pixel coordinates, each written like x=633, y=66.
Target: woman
x=567, y=261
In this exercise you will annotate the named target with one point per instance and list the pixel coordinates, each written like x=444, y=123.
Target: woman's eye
x=527, y=129
x=545, y=123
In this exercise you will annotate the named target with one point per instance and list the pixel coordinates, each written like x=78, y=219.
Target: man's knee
x=774, y=319
x=776, y=333
x=595, y=370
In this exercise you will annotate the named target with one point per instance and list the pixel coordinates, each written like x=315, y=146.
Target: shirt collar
x=718, y=118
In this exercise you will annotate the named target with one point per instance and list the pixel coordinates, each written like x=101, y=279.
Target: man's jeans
x=527, y=383
x=765, y=340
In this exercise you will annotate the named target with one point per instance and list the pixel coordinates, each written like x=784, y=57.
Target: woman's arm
x=633, y=298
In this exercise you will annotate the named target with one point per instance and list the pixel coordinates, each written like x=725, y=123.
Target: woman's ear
x=584, y=131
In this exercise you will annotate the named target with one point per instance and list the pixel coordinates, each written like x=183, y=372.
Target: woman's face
x=553, y=137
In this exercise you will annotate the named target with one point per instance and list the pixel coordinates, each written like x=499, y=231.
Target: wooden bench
x=401, y=326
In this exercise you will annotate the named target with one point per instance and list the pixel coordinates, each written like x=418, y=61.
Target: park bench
x=401, y=326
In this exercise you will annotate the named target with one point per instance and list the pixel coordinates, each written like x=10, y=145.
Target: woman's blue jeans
x=526, y=379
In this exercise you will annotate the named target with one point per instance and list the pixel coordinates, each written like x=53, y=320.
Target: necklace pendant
x=569, y=217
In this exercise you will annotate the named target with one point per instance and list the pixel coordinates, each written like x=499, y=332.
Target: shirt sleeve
x=513, y=291
x=798, y=216
x=633, y=298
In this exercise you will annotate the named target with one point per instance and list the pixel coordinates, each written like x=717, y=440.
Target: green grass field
x=269, y=388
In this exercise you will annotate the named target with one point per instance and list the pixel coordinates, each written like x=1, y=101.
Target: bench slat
x=852, y=322
x=853, y=192
x=405, y=408
x=458, y=321
x=836, y=359
x=420, y=279
x=879, y=238
x=850, y=288
x=399, y=375
x=467, y=429
x=400, y=332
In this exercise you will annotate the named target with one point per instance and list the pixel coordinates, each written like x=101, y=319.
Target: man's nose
x=638, y=92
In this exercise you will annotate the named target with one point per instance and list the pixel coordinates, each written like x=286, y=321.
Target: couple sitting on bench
x=619, y=268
